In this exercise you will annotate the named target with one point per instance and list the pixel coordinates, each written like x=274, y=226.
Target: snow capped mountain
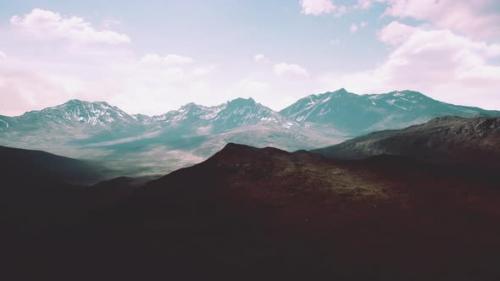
x=233, y=114
x=92, y=113
x=244, y=112
x=353, y=114
x=160, y=144
x=71, y=114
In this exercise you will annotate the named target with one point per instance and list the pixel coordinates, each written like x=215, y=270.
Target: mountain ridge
x=471, y=141
x=100, y=131
x=359, y=114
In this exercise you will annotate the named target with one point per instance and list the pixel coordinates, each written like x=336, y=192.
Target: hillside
x=472, y=141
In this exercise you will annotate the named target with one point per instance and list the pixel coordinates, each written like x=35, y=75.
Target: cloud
x=22, y=90
x=477, y=19
x=249, y=87
x=439, y=62
x=126, y=81
x=395, y=33
x=169, y=60
x=319, y=7
x=355, y=27
x=157, y=88
x=48, y=25
x=290, y=70
x=260, y=58
x=364, y=4
x=204, y=70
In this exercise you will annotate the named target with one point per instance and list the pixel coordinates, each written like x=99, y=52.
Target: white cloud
x=126, y=81
x=253, y=88
x=155, y=89
x=356, y=27
x=478, y=19
x=395, y=33
x=319, y=7
x=22, y=90
x=448, y=66
x=364, y=4
x=290, y=70
x=48, y=25
x=204, y=70
x=260, y=58
x=169, y=60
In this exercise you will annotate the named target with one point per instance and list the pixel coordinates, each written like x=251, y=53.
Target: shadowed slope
x=249, y=212
x=37, y=167
x=453, y=140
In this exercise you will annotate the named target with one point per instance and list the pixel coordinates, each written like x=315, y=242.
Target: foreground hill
x=144, y=145
x=41, y=192
x=247, y=212
x=473, y=141
x=38, y=167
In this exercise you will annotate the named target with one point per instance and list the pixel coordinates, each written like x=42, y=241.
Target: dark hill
x=21, y=166
x=247, y=213
x=250, y=214
x=453, y=140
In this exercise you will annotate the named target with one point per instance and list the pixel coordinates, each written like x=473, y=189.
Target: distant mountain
x=475, y=141
x=353, y=115
x=70, y=114
x=233, y=114
x=56, y=129
x=145, y=145
x=140, y=144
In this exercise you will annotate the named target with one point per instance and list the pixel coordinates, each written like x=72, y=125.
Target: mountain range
x=125, y=143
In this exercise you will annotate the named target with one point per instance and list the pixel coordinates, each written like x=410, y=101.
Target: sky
x=154, y=56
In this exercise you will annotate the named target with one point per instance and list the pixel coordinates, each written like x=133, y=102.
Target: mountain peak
x=190, y=106
x=77, y=111
x=341, y=91
x=238, y=153
x=81, y=103
x=74, y=101
x=242, y=102
x=231, y=146
x=327, y=96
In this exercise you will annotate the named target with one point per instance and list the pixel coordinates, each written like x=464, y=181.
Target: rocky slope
x=447, y=139
x=352, y=115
